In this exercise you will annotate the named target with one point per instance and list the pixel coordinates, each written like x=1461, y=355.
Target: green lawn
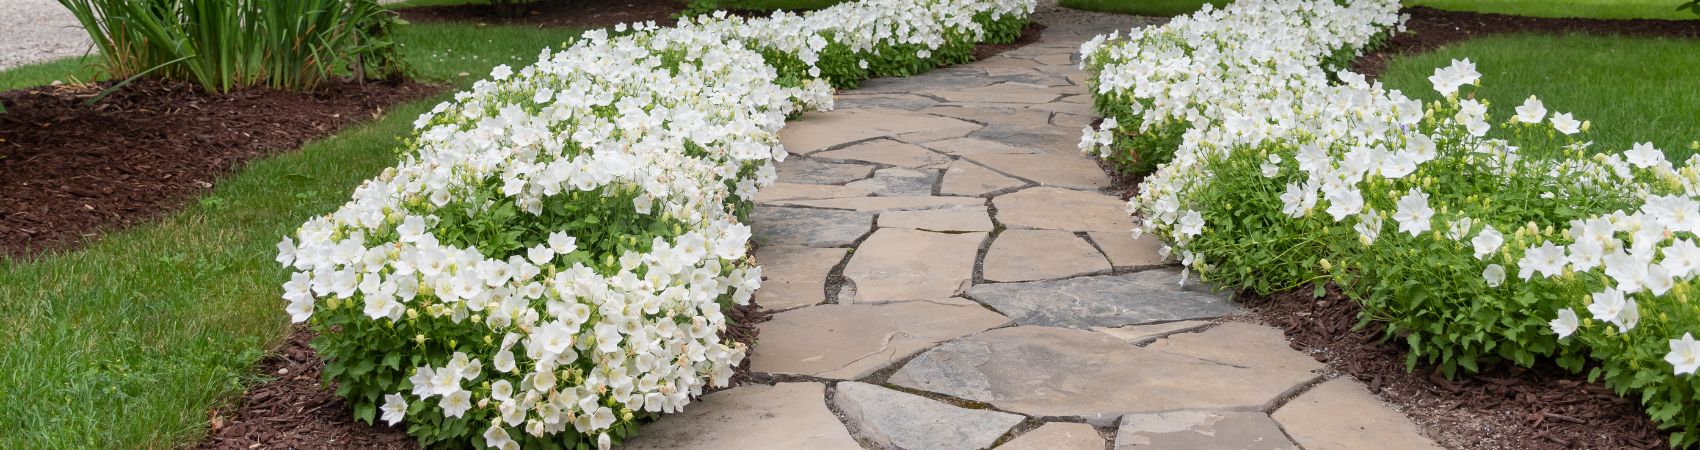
x=1633, y=89
x=129, y=342
x=1598, y=9
x=1162, y=8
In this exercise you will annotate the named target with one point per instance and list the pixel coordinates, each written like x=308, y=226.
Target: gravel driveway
x=38, y=30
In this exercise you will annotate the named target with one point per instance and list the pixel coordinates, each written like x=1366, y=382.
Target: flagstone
x=1126, y=252
x=1104, y=301
x=809, y=171
x=974, y=146
x=771, y=225
x=969, y=179
x=1057, y=436
x=1142, y=334
x=1239, y=344
x=1341, y=414
x=1049, y=169
x=1047, y=138
x=795, y=276
x=1245, y=430
x=801, y=191
x=817, y=131
x=848, y=342
x=888, y=152
x=888, y=203
x=899, y=182
x=1059, y=372
x=1028, y=255
x=785, y=415
x=899, y=420
x=1015, y=116
x=899, y=101
x=973, y=218
x=904, y=264
x=1050, y=208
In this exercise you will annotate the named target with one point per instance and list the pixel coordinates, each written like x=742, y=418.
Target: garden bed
x=583, y=14
x=1430, y=28
x=70, y=171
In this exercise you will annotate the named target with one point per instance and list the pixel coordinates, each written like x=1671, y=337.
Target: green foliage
x=1159, y=8
x=229, y=44
x=1590, y=9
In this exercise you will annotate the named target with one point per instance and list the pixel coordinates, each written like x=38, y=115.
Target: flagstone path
x=946, y=274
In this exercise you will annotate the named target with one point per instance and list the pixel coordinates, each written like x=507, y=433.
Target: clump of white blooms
x=553, y=255
x=1610, y=234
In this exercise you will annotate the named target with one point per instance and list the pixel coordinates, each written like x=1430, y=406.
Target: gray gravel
x=38, y=30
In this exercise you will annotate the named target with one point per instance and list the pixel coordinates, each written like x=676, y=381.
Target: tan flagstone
x=998, y=93
x=785, y=415
x=1030, y=255
x=888, y=203
x=1125, y=251
x=1013, y=116
x=1050, y=208
x=1141, y=334
x=1341, y=414
x=1049, y=169
x=795, y=275
x=848, y=342
x=1057, y=436
x=1239, y=344
x=976, y=146
x=903, y=264
x=972, y=218
x=889, y=152
x=969, y=179
x=802, y=191
x=817, y=131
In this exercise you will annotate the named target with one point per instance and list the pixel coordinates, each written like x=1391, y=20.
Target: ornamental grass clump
x=551, y=262
x=229, y=44
x=1479, y=233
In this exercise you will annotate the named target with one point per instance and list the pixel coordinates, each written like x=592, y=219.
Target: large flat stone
x=817, y=131
x=782, y=191
x=888, y=203
x=1142, y=334
x=772, y=225
x=1049, y=169
x=795, y=275
x=998, y=93
x=1049, y=208
x=1014, y=116
x=1341, y=414
x=888, y=152
x=946, y=78
x=1103, y=301
x=1044, y=371
x=1028, y=255
x=972, y=218
x=848, y=342
x=809, y=171
x=899, y=420
x=1239, y=344
x=853, y=100
x=899, y=182
x=1062, y=141
x=1057, y=436
x=1247, y=430
x=785, y=415
x=904, y=264
x=966, y=178
x=1125, y=252
x=973, y=146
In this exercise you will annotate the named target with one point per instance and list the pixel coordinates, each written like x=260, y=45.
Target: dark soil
x=69, y=171
x=1503, y=407
x=553, y=13
x=295, y=411
x=1430, y=29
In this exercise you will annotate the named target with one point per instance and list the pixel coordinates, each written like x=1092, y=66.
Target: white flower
x=395, y=408
x=1566, y=124
x=1413, y=214
x=1344, y=202
x=456, y=403
x=1487, y=242
x=501, y=72
x=1644, y=155
x=1547, y=259
x=1191, y=224
x=1684, y=354
x=1566, y=323
x=1271, y=166
x=1532, y=111
x=1447, y=80
x=1494, y=274
x=1611, y=306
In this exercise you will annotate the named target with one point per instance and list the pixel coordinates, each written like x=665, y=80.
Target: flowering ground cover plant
x=1478, y=234
x=549, y=264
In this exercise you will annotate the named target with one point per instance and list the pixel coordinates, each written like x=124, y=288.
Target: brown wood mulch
x=69, y=170
x=1503, y=406
x=1431, y=28
x=552, y=13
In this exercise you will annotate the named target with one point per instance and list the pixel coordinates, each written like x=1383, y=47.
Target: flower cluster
x=552, y=260
x=1476, y=238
